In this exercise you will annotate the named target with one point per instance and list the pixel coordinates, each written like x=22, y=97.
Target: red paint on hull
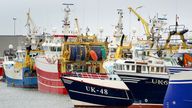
x=50, y=82
x=46, y=89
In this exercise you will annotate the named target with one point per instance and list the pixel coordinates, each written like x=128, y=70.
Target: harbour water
x=11, y=97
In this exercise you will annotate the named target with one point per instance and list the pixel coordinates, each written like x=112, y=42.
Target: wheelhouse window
x=152, y=69
x=123, y=67
x=117, y=67
x=53, y=49
x=133, y=67
x=127, y=66
x=157, y=69
x=120, y=67
x=144, y=68
x=162, y=69
x=58, y=49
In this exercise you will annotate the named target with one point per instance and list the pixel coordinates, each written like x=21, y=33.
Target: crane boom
x=145, y=24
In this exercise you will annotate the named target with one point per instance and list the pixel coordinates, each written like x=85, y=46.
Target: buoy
x=93, y=55
x=97, y=50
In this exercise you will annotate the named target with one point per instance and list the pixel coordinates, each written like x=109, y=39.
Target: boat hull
x=28, y=82
x=18, y=76
x=179, y=94
x=146, y=89
x=95, y=92
x=48, y=77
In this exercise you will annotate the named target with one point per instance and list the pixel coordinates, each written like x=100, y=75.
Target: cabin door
x=138, y=70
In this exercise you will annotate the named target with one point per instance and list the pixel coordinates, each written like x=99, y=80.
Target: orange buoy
x=93, y=55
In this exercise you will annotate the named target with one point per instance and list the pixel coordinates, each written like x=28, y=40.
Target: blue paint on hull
x=148, y=90
x=178, y=96
x=114, y=97
x=26, y=81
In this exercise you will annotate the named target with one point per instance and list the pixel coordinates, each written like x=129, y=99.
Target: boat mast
x=32, y=31
x=119, y=26
x=66, y=25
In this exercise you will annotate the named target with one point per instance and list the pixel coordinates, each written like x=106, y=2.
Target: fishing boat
x=47, y=65
x=147, y=76
x=147, y=79
x=20, y=72
x=95, y=90
x=92, y=86
x=178, y=93
x=19, y=65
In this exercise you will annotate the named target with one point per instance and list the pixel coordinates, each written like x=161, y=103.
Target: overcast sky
x=47, y=14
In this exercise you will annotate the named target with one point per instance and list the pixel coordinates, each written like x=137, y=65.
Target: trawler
x=85, y=78
x=19, y=65
x=47, y=64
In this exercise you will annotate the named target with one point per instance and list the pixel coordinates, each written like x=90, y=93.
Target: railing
x=87, y=75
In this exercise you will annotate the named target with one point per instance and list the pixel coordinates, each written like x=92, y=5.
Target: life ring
x=93, y=55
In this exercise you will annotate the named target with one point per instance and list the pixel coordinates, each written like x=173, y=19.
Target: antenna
x=176, y=22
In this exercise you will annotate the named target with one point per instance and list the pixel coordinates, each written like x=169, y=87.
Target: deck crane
x=145, y=24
